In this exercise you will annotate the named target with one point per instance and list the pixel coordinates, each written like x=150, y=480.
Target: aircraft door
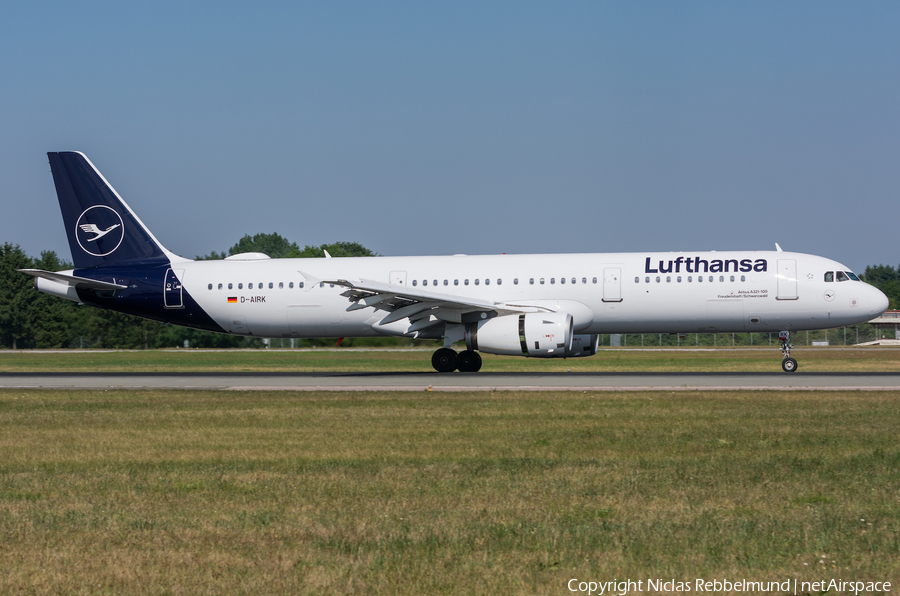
x=612, y=284
x=398, y=278
x=787, y=279
x=172, y=288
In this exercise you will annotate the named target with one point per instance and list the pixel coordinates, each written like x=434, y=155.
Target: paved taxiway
x=459, y=382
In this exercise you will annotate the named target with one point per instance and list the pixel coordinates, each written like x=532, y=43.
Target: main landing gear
x=446, y=360
x=788, y=364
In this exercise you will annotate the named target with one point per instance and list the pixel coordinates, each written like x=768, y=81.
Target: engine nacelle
x=583, y=345
x=538, y=335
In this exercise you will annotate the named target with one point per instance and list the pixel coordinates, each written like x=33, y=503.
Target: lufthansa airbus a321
x=537, y=306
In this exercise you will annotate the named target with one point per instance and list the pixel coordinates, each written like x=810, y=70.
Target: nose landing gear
x=788, y=364
x=446, y=360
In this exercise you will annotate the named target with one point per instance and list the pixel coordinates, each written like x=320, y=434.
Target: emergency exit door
x=398, y=278
x=612, y=284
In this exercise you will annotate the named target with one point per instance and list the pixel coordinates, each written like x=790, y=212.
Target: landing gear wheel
x=788, y=364
x=469, y=361
x=444, y=360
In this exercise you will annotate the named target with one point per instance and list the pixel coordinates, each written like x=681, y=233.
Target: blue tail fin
x=102, y=229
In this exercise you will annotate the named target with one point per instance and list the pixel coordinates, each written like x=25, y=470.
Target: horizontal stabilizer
x=74, y=280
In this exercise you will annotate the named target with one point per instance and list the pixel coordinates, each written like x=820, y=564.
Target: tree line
x=31, y=319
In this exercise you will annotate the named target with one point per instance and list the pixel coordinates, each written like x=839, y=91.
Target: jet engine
x=583, y=345
x=538, y=335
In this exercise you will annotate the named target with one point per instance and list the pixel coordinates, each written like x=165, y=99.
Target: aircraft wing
x=424, y=308
x=74, y=280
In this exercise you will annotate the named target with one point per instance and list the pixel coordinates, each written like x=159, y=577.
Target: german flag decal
x=232, y=300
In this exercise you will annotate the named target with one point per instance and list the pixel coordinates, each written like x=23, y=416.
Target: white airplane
x=538, y=306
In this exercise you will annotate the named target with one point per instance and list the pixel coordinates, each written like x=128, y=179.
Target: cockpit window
x=852, y=276
x=841, y=276
x=829, y=276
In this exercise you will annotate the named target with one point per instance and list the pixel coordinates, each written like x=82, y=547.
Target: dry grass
x=768, y=359
x=271, y=493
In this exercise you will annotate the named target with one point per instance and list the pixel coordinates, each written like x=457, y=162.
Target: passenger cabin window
x=542, y=281
x=415, y=282
x=562, y=280
x=300, y=285
x=220, y=286
x=531, y=281
x=455, y=282
x=210, y=286
x=434, y=282
x=240, y=286
x=584, y=280
x=668, y=279
x=637, y=280
x=743, y=278
x=249, y=286
x=721, y=278
x=595, y=280
x=841, y=276
x=647, y=280
x=499, y=281
x=657, y=279
x=424, y=282
x=487, y=281
x=477, y=281
x=446, y=282
x=229, y=286
x=466, y=282
x=270, y=285
x=291, y=285
x=516, y=281
x=732, y=278
x=553, y=280
x=281, y=285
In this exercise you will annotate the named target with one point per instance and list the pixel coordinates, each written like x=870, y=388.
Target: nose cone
x=878, y=301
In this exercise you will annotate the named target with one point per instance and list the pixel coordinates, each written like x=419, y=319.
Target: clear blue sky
x=437, y=128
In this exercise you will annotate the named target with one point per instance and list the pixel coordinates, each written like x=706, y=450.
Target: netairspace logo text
x=626, y=586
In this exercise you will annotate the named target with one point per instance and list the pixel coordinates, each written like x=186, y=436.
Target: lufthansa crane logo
x=99, y=230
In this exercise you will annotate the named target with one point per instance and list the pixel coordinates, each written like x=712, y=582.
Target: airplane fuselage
x=605, y=292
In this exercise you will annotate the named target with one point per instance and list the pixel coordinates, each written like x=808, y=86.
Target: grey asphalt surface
x=375, y=381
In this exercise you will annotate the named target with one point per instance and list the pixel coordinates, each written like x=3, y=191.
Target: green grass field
x=169, y=492
x=833, y=359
